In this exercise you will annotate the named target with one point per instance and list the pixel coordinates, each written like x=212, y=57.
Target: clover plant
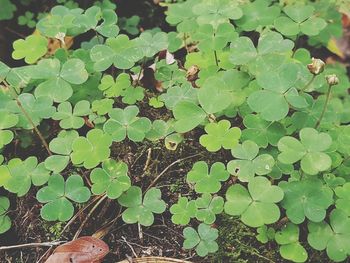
x=204, y=241
x=111, y=179
x=98, y=100
x=141, y=209
x=58, y=194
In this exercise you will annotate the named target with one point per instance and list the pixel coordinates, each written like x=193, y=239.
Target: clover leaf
x=181, y=15
x=290, y=248
x=265, y=234
x=120, y=51
x=342, y=192
x=214, y=39
x=262, y=132
x=111, y=179
x=310, y=150
x=72, y=118
x=92, y=149
x=130, y=25
x=31, y=49
x=27, y=19
x=204, y=240
x=243, y=51
x=216, y=12
x=36, y=108
x=7, y=9
x=333, y=236
x=62, y=147
x=306, y=198
x=299, y=19
x=58, y=79
x=58, y=194
x=102, y=107
x=113, y=88
x=178, y=94
x=205, y=181
x=151, y=44
x=5, y=221
x=249, y=163
x=220, y=135
x=125, y=123
x=209, y=206
x=140, y=210
x=256, y=206
x=24, y=174
x=7, y=120
x=132, y=94
x=257, y=13
x=183, y=211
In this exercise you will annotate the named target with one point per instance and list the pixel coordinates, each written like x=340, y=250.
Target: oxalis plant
x=245, y=89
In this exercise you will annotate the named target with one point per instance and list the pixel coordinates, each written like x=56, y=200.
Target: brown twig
x=103, y=197
x=168, y=167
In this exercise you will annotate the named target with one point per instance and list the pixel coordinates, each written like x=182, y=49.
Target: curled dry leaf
x=82, y=250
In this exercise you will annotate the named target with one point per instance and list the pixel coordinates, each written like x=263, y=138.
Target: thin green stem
x=309, y=83
x=216, y=58
x=324, y=106
x=25, y=113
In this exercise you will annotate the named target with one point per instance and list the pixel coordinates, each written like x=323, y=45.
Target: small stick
x=168, y=167
x=130, y=246
x=149, y=153
x=88, y=216
x=44, y=244
x=140, y=232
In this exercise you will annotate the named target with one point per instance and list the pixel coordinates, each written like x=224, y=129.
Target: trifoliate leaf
x=256, y=206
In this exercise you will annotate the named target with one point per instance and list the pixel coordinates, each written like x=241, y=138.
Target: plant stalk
x=309, y=83
x=324, y=107
x=216, y=58
x=25, y=113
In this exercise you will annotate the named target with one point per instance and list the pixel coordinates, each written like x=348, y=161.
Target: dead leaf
x=82, y=250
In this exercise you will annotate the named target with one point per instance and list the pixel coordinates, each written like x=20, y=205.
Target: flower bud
x=316, y=67
x=332, y=79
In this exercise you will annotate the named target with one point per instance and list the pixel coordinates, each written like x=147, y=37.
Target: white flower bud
x=332, y=79
x=316, y=67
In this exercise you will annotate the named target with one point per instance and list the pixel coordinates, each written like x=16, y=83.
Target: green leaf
x=150, y=45
x=31, y=49
x=220, y=135
x=188, y=116
x=111, y=179
x=57, y=195
x=72, y=118
x=214, y=39
x=205, y=181
x=265, y=234
x=5, y=221
x=262, y=132
x=7, y=9
x=290, y=248
x=216, y=12
x=183, y=211
x=120, y=51
x=92, y=149
x=307, y=198
x=342, y=192
x=204, y=240
x=24, y=174
x=310, y=150
x=256, y=206
x=212, y=98
x=334, y=237
x=256, y=14
x=177, y=94
x=125, y=123
x=141, y=210
x=248, y=164
x=209, y=206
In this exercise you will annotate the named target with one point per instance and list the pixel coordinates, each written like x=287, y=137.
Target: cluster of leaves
x=285, y=124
